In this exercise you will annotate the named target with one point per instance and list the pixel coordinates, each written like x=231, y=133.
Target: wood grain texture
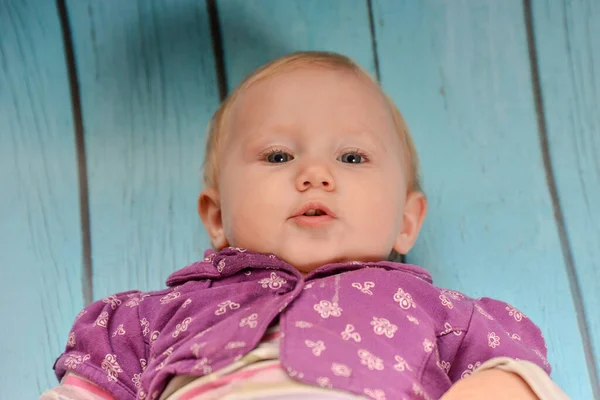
x=256, y=31
x=460, y=73
x=148, y=88
x=40, y=241
x=568, y=47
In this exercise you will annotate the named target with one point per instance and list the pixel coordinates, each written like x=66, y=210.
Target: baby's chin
x=306, y=263
x=309, y=258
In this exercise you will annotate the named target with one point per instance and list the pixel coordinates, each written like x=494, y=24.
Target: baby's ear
x=209, y=208
x=415, y=209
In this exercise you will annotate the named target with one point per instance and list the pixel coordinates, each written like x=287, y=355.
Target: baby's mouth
x=314, y=213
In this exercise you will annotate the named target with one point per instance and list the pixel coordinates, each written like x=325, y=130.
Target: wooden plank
x=256, y=31
x=148, y=88
x=568, y=42
x=460, y=73
x=40, y=239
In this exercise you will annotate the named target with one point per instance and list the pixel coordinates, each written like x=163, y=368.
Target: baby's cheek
x=246, y=226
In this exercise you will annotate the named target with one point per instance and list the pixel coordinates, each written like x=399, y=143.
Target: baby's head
x=309, y=160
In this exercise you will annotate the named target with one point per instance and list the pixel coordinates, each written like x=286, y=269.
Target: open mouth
x=314, y=213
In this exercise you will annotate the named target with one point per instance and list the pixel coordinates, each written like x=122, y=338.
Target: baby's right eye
x=278, y=157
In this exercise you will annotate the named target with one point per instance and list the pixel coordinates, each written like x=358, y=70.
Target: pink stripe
x=74, y=380
x=225, y=380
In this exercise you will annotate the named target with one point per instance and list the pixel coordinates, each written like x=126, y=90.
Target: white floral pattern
x=186, y=303
x=419, y=391
x=341, y=370
x=71, y=341
x=113, y=301
x=303, y=324
x=182, y=327
x=447, y=328
x=235, y=345
x=317, y=347
x=111, y=367
x=154, y=336
x=401, y=364
x=136, y=300
x=328, y=309
x=196, y=347
x=446, y=302
x=273, y=282
x=102, y=320
x=203, y=365
x=427, y=345
x=119, y=331
x=74, y=360
x=145, y=325
x=136, y=380
x=293, y=373
x=382, y=326
x=404, y=299
x=470, y=369
x=222, y=307
x=364, y=288
x=168, y=352
x=444, y=365
x=221, y=265
x=516, y=314
x=166, y=299
x=453, y=294
x=493, y=340
x=250, y=321
x=209, y=258
x=324, y=382
x=412, y=319
x=349, y=333
x=376, y=394
x=133, y=302
x=161, y=365
x=370, y=360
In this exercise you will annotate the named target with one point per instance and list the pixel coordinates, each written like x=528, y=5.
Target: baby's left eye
x=352, y=158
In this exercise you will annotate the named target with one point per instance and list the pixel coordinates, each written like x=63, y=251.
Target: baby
x=312, y=184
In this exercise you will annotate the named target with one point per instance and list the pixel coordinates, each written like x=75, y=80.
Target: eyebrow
x=372, y=138
x=264, y=133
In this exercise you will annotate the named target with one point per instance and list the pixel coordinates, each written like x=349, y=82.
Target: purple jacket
x=377, y=329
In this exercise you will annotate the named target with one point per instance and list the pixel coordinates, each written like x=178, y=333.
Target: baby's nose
x=315, y=177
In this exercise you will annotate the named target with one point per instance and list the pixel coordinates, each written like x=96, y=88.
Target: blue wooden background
x=103, y=108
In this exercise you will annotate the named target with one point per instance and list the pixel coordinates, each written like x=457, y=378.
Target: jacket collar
x=231, y=260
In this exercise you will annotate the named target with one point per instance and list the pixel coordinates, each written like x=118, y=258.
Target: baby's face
x=317, y=142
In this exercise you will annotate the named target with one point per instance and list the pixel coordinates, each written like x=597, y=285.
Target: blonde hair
x=298, y=60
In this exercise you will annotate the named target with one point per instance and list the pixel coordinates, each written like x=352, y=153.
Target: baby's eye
x=352, y=158
x=277, y=157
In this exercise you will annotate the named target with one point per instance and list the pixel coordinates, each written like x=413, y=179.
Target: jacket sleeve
x=106, y=345
x=497, y=329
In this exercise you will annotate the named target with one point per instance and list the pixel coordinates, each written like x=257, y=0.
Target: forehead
x=333, y=98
